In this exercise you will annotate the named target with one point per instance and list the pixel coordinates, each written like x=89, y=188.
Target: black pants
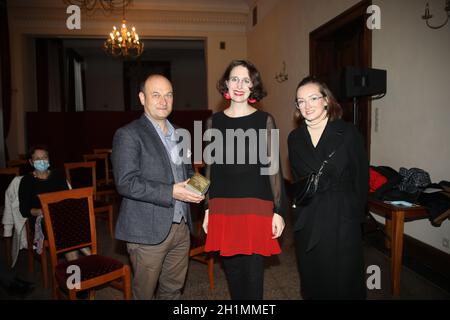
x=245, y=276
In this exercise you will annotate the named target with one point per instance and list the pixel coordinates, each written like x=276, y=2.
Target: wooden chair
x=16, y=162
x=6, y=176
x=104, y=150
x=105, y=184
x=70, y=223
x=23, y=165
x=83, y=174
x=197, y=251
x=107, y=151
x=102, y=163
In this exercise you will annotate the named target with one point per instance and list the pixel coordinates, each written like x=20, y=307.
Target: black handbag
x=305, y=188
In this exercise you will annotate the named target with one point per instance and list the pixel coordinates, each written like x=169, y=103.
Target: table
x=395, y=219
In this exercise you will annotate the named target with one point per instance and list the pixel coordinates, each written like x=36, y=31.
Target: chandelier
x=108, y=6
x=123, y=42
x=427, y=16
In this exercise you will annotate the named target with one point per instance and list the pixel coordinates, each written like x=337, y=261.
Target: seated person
x=41, y=180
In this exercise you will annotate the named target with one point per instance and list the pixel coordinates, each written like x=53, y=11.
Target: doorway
x=345, y=41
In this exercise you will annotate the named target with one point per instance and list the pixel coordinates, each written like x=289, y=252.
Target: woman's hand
x=277, y=225
x=205, y=221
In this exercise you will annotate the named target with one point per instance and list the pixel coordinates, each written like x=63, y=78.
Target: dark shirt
x=30, y=187
x=244, y=180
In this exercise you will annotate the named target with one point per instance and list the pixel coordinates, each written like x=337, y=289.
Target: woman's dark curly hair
x=333, y=108
x=33, y=149
x=257, y=90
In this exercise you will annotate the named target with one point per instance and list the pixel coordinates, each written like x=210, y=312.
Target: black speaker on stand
x=354, y=82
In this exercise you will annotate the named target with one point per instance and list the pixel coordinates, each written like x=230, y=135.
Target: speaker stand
x=355, y=111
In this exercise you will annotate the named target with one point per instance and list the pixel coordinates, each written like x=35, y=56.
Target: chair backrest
x=109, y=153
x=102, y=165
x=104, y=150
x=23, y=164
x=6, y=176
x=69, y=220
x=81, y=174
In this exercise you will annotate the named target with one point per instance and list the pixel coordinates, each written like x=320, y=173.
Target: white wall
x=282, y=33
x=413, y=117
x=413, y=128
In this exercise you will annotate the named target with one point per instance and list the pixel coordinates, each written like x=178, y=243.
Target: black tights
x=245, y=276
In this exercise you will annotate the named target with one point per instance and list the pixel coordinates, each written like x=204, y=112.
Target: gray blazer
x=144, y=179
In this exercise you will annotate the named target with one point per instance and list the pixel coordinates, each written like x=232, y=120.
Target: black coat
x=328, y=229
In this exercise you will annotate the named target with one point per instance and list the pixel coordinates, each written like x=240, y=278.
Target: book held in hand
x=198, y=184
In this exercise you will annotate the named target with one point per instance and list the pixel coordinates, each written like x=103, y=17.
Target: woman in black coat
x=327, y=229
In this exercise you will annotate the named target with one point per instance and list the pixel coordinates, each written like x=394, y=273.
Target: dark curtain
x=5, y=70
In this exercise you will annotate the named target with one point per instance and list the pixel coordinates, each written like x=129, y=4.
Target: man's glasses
x=312, y=101
x=246, y=82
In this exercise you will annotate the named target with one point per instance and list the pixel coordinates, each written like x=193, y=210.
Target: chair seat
x=90, y=266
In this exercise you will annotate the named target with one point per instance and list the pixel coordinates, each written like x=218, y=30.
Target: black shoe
x=20, y=288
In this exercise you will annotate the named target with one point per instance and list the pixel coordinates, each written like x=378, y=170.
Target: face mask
x=41, y=165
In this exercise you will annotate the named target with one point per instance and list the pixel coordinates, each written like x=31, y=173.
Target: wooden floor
x=281, y=277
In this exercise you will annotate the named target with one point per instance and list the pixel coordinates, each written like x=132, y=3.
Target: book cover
x=198, y=184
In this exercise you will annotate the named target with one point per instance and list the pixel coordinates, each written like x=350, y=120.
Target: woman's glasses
x=246, y=82
x=312, y=101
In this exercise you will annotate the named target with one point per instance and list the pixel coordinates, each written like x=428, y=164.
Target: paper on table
x=401, y=203
x=431, y=190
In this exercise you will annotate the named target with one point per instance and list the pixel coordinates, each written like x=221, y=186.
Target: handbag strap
x=324, y=162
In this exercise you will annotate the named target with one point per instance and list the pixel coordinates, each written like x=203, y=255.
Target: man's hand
x=181, y=193
x=277, y=226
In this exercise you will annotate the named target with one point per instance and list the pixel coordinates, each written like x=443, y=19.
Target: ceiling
x=93, y=47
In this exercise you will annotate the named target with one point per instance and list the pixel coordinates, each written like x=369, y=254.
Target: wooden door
x=344, y=41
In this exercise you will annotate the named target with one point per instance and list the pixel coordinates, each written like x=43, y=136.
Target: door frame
x=356, y=12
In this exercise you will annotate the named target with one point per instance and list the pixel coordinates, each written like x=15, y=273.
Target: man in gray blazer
x=154, y=217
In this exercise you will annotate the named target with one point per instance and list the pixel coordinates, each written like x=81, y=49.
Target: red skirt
x=241, y=226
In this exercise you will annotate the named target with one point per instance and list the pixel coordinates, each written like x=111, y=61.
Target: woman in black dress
x=41, y=180
x=327, y=229
x=245, y=200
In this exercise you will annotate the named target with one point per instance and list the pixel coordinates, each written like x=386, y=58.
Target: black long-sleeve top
x=30, y=187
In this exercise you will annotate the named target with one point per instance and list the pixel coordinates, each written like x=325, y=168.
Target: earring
x=226, y=95
x=251, y=100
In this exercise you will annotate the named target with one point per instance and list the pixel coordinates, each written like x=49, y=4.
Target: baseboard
x=431, y=263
